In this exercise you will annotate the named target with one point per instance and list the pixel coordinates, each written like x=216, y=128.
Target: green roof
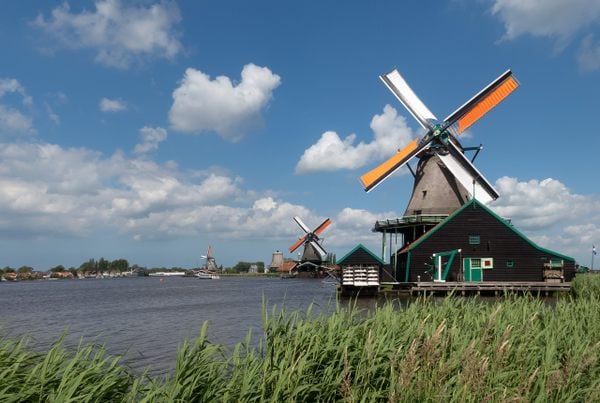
x=357, y=247
x=429, y=233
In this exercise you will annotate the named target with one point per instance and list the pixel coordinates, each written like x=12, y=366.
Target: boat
x=206, y=275
x=167, y=274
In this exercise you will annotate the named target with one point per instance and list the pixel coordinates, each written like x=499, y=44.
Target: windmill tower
x=313, y=250
x=210, y=263
x=445, y=178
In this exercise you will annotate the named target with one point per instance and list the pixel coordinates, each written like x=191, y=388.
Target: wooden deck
x=478, y=288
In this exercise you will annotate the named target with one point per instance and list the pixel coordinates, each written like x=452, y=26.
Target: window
x=475, y=263
x=487, y=263
x=474, y=239
x=510, y=263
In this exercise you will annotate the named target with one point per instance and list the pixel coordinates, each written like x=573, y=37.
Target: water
x=145, y=319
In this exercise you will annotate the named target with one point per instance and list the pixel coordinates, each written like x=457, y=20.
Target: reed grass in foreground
x=516, y=349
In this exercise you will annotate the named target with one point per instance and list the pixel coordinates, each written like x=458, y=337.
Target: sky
x=150, y=130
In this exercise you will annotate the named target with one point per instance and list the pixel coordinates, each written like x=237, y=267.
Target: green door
x=472, y=269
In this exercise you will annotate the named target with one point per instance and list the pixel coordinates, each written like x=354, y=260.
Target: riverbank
x=455, y=349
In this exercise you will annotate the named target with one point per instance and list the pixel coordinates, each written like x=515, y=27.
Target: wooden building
x=361, y=272
x=483, y=247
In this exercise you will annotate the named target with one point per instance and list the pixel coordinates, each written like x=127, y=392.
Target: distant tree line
x=244, y=267
x=103, y=265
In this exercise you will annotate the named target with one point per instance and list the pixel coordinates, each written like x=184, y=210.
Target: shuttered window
x=474, y=239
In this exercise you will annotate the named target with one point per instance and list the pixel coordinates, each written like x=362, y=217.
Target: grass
x=460, y=349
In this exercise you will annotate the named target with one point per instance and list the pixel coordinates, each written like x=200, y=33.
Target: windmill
x=313, y=251
x=445, y=178
x=209, y=261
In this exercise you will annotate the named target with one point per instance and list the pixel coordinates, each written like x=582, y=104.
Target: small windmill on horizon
x=313, y=253
x=210, y=263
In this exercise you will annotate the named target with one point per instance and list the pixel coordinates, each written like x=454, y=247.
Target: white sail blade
x=319, y=248
x=394, y=81
x=301, y=224
x=468, y=176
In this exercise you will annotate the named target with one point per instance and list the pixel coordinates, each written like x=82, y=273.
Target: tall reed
x=457, y=349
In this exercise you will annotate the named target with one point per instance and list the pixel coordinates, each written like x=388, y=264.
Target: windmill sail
x=483, y=102
x=400, y=88
x=440, y=140
x=378, y=174
x=468, y=176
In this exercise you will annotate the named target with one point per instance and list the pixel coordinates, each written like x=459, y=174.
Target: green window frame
x=475, y=263
x=510, y=263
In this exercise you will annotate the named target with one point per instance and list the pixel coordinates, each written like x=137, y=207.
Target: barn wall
x=361, y=257
x=496, y=241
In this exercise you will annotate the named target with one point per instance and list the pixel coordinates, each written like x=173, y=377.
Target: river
x=144, y=319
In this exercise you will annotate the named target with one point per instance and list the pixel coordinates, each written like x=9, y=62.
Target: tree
x=24, y=269
x=90, y=265
x=103, y=265
x=245, y=266
x=58, y=269
x=120, y=265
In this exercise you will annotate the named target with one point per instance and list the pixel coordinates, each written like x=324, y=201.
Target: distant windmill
x=313, y=250
x=209, y=261
x=445, y=179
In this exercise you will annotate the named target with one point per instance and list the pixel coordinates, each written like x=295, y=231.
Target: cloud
x=353, y=226
x=47, y=191
x=550, y=213
x=11, y=85
x=331, y=153
x=588, y=55
x=112, y=105
x=53, y=116
x=204, y=105
x=546, y=18
x=13, y=120
x=557, y=19
x=151, y=137
x=120, y=34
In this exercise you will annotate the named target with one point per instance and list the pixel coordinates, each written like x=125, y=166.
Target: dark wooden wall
x=360, y=256
x=496, y=241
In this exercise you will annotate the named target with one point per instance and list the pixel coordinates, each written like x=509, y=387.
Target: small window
x=474, y=240
x=475, y=263
x=510, y=263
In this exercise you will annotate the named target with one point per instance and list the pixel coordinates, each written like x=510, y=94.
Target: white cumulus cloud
x=151, y=137
x=201, y=104
x=50, y=191
x=331, y=153
x=557, y=19
x=588, y=55
x=12, y=119
x=112, y=105
x=550, y=213
x=120, y=33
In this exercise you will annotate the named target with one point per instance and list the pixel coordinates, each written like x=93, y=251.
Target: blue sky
x=149, y=130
